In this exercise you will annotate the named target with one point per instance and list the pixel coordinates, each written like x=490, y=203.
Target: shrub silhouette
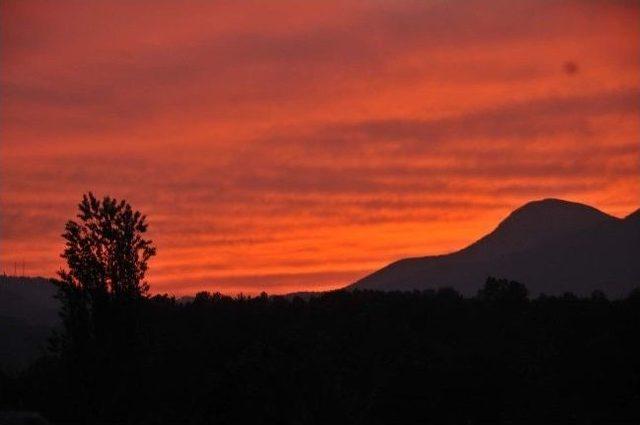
x=502, y=290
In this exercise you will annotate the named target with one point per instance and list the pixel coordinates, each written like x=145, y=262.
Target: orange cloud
x=289, y=146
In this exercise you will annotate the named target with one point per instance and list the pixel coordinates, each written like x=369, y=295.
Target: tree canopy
x=107, y=259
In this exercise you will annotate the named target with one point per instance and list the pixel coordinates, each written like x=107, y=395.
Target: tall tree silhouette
x=107, y=256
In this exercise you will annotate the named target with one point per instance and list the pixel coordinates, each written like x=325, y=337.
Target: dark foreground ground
x=347, y=358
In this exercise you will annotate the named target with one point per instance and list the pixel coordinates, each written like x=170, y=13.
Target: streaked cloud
x=293, y=145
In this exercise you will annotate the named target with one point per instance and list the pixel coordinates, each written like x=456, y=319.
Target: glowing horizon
x=290, y=146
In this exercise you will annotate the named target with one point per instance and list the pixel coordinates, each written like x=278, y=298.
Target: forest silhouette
x=343, y=357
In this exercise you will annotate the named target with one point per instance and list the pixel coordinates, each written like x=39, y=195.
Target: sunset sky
x=299, y=145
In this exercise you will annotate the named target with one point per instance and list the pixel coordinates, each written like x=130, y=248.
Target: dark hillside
x=552, y=246
x=28, y=313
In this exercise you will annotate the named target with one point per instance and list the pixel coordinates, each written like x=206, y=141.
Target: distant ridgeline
x=551, y=246
x=28, y=313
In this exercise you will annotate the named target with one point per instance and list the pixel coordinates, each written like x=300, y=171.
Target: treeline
x=346, y=358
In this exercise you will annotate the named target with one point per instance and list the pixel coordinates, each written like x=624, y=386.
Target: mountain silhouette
x=552, y=246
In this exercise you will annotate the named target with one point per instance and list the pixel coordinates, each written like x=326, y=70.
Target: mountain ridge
x=577, y=247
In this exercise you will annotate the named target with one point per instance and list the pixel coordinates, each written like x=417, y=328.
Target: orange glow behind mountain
x=285, y=146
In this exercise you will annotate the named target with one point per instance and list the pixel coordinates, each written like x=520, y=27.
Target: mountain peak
x=534, y=223
x=555, y=206
x=550, y=213
x=552, y=245
x=551, y=201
